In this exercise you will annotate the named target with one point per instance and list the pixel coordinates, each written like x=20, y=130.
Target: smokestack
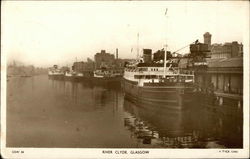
x=116, y=53
x=147, y=55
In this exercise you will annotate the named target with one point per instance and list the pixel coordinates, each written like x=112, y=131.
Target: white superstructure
x=154, y=73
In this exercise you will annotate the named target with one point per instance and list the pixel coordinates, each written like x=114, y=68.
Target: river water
x=49, y=113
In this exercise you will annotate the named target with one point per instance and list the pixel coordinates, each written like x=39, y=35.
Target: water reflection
x=85, y=93
x=57, y=113
x=193, y=128
x=158, y=127
x=54, y=113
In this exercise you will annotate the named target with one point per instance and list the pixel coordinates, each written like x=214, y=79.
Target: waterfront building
x=226, y=80
x=227, y=50
x=227, y=75
x=219, y=81
x=86, y=68
x=20, y=70
x=104, y=59
x=224, y=75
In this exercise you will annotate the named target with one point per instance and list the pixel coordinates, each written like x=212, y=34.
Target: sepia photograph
x=125, y=79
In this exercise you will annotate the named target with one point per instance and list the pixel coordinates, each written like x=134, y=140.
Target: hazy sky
x=56, y=32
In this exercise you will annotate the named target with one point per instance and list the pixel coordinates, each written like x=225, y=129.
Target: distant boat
x=69, y=75
x=55, y=73
x=108, y=75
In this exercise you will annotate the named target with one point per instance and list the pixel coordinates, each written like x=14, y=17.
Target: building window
x=226, y=83
x=147, y=76
x=236, y=84
x=220, y=82
x=139, y=76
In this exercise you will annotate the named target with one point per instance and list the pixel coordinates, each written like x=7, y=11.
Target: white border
x=153, y=153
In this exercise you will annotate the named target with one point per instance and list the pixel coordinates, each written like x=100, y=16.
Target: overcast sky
x=56, y=32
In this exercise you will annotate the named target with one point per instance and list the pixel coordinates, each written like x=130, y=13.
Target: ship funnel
x=116, y=53
x=147, y=55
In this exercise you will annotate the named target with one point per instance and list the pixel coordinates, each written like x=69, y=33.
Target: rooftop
x=207, y=33
x=228, y=62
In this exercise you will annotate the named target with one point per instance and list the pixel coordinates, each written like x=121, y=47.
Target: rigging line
x=175, y=52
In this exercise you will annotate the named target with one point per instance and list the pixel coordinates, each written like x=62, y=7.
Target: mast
x=165, y=53
x=137, y=56
x=165, y=61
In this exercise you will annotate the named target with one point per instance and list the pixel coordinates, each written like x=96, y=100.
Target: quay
x=224, y=77
x=220, y=81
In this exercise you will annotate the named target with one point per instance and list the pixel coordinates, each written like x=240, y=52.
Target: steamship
x=55, y=73
x=151, y=84
x=105, y=74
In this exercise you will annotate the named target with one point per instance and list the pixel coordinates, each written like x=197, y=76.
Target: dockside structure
x=86, y=68
x=219, y=81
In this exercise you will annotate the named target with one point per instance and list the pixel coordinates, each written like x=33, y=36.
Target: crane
x=175, y=52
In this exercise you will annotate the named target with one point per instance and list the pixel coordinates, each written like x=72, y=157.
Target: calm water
x=49, y=113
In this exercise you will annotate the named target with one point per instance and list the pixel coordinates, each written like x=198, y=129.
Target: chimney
x=116, y=53
x=147, y=55
x=207, y=39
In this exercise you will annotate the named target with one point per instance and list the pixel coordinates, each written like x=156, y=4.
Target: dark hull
x=94, y=79
x=109, y=81
x=114, y=82
x=56, y=77
x=176, y=96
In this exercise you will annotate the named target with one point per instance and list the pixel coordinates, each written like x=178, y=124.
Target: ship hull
x=176, y=96
x=56, y=77
x=109, y=81
x=106, y=80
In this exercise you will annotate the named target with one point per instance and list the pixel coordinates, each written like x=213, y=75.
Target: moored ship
x=68, y=75
x=108, y=68
x=108, y=76
x=151, y=84
x=55, y=73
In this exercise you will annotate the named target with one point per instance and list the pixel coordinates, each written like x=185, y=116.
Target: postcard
x=125, y=79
